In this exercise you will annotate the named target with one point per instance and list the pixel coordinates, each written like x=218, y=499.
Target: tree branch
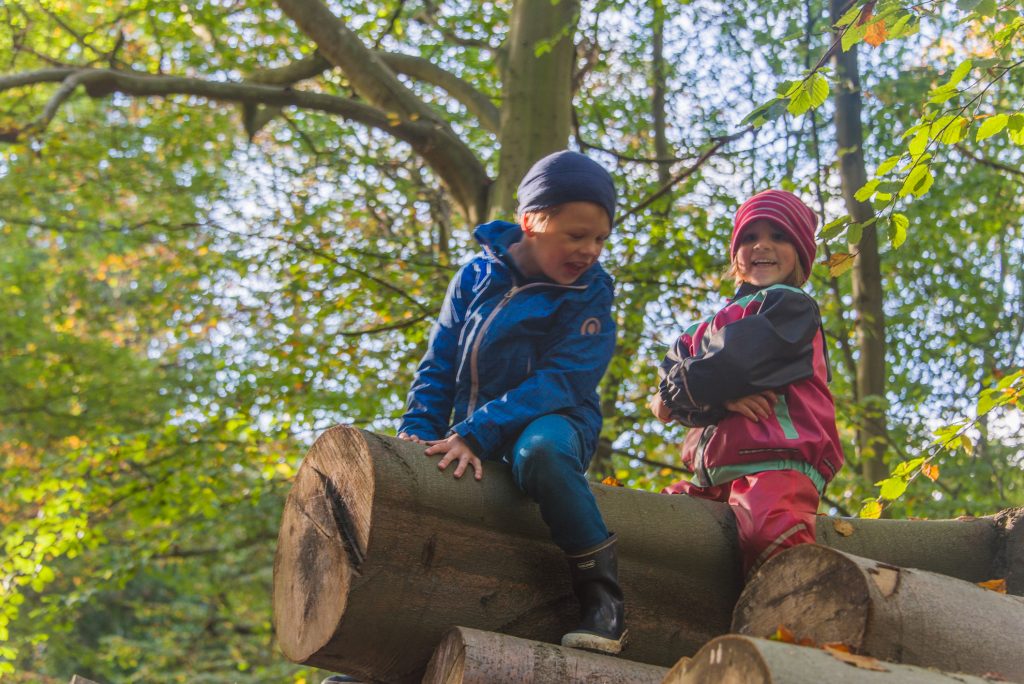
x=452, y=160
x=299, y=70
x=988, y=162
x=685, y=173
x=478, y=104
x=103, y=82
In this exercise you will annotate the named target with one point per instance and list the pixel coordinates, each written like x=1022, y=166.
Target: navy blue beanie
x=566, y=176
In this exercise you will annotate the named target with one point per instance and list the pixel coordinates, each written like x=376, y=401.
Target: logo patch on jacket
x=591, y=326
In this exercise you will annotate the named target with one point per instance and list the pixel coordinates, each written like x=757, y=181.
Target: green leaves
x=807, y=94
x=991, y=126
x=897, y=230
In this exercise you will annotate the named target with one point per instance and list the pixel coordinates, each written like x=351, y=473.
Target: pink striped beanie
x=788, y=212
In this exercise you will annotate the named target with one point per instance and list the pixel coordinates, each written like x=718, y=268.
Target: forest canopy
x=225, y=225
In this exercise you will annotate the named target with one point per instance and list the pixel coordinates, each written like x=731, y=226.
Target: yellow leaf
x=930, y=471
x=863, y=662
x=784, y=635
x=839, y=263
x=843, y=527
x=665, y=472
x=876, y=33
x=871, y=510
x=998, y=585
x=967, y=444
x=611, y=481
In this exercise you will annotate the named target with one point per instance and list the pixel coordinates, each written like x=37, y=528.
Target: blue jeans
x=549, y=465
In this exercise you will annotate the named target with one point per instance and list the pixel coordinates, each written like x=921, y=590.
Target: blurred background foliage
x=189, y=298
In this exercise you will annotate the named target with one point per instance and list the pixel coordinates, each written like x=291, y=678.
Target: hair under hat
x=788, y=212
x=566, y=176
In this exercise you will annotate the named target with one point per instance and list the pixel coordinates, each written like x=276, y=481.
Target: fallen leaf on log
x=997, y=585
x=843, y=527
x=863, y=662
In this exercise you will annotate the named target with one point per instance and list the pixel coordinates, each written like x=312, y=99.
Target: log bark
x=881, y=610
x=732, y=658
x=471, y=656
x=379, y=554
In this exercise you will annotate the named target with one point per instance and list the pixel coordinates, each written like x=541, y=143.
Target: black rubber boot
x=595, y=580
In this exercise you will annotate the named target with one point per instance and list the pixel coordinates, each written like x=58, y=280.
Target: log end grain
x=322, y=540
x=724, y=660
x=807, y=589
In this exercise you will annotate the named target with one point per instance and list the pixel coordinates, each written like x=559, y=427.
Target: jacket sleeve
x=765, y=351
x=432, y=395
x=567, y=375
x=675, y=395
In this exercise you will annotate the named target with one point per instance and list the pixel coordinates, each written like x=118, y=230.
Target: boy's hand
x=661, y=412
x=454, y=449
x=411, y=438
x=754, y=406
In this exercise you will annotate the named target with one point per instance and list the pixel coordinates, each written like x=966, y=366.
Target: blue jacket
x=506, y=350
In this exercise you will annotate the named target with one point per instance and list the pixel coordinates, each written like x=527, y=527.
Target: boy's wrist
x=471, y=441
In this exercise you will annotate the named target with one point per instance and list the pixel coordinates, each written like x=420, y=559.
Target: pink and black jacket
x=764, y=339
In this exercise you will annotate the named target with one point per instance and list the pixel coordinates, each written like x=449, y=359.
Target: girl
x=752, y=382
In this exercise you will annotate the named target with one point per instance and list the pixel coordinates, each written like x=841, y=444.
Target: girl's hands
x=661, y=412
x=754, y=406
x=455, y=449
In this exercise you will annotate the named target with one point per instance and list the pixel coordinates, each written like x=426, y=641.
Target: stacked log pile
x=380, y=556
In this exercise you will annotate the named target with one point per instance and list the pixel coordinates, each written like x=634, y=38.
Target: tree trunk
x=891, y=613
x=731, y=659
x=872, y=435
x=469, y=656
x=379, y=554
x=536, y=112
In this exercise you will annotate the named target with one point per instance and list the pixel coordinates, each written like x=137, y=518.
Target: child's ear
x=528, y=222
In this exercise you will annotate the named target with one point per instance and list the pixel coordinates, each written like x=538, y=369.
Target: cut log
x=471, y=656
x=891, y=613
x=736, y=659
x=379, y=554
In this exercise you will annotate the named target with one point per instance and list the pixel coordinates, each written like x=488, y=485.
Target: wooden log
x=733, y=659
x=471, y=656
x=379, y=554
x=891, y=613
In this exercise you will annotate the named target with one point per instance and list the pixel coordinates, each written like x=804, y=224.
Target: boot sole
x=595, y=642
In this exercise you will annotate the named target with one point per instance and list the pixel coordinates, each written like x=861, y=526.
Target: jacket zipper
x=701, y=470
x=474, y=379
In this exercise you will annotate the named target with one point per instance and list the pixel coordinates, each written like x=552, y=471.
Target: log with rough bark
x=881, y=610
x=471, y=656
x=731, y=659
x=379, y=554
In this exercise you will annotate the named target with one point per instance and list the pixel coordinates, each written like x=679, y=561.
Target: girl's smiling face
x=765, y=256
x=562, y=244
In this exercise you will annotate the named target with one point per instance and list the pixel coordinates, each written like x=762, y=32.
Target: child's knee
x=540, y=460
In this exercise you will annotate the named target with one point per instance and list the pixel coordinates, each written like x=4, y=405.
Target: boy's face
x=564, y=244
x=765, y=255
